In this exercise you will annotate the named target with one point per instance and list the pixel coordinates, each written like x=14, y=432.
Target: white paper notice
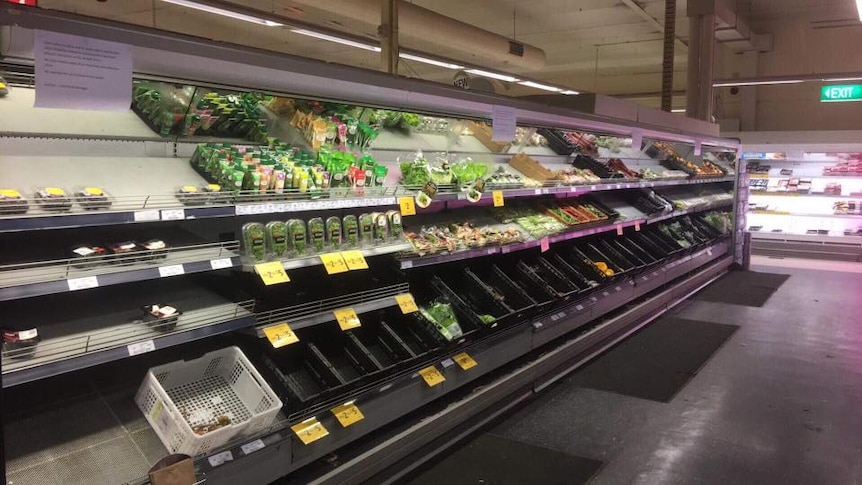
x=80, y=73
x=503, y=120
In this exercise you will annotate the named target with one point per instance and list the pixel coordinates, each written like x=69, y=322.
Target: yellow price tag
x=347, y=414
x=347, y=318
x=354, y=260
x=465, y=361
x=334, y=263
x=280, y=335
x=2, y=85
x=432, y=376
x=406, y=303
x=408, y=206
x=309, y=430
x=498, y=198
x=271, y=273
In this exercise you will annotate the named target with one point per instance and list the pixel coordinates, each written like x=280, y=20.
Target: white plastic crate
x=175, y=397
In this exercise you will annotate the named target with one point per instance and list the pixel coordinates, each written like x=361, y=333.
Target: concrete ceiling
x=611, y=47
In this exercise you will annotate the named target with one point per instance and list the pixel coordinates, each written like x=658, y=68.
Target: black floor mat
x=494, y=460
x=748, y=288
x=656, y=362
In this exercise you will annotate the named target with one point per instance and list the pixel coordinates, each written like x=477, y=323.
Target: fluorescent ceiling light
x=569, y=91
x=223, y=12
x=337, y=40
x=835, y=79
x=681, y=110
x=433, y=62
x=756, y=83
x=493, y=75
x=540, y=86
x=859, y=8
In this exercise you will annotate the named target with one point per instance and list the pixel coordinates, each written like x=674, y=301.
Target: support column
x=668, y=55
x=701, y=57
x=388, y=33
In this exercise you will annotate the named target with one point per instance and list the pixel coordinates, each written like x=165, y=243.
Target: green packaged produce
x=297, y=240
x=317, y=234
x=237, y=176
x=351, y=231
x=333, y=232
x=442, y=316
x=276, y=239
x=366, y=228
x=381, y=227
x=254, y=241
x=394, y=219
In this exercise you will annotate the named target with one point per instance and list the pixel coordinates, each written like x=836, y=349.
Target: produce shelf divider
x=317, y=312
x=48, y=277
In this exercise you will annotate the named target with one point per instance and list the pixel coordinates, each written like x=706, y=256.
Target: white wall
x=799, y=48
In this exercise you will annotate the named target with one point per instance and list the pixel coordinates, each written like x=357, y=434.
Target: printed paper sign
x=503, y=121
x=75, y=72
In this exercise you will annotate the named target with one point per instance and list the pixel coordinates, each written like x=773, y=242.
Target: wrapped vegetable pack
x=442, y=317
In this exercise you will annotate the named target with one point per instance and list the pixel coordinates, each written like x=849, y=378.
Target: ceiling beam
x=634, y=7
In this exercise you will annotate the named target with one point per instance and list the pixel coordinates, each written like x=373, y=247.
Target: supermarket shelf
x=764, y=193
x=317, y=312
x=283, y=452
x=276, y=452
x=802, y=214
x=808, y=238
x=314, y=260
x=147, y=208
x=552, y=188
x=810, y=246
x=415, y=262
x=18, y=116
x=833, y=178
x=71, y=350
x=58, y=276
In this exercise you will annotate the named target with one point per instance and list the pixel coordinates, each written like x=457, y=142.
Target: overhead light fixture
x=433, y=62
x=544, y=87
x=681, y=110
x=493, y=75
x=728, y=84
x=337, y=40
x=859, y=8
x=837, y=79
x=224, y=12
x=570, y=92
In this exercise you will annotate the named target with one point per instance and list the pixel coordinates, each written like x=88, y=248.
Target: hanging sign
x=841, y=93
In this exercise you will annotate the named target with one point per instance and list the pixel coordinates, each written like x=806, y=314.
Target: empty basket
x=222, y=386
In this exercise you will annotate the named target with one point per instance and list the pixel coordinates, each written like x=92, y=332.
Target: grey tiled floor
x=781, y=402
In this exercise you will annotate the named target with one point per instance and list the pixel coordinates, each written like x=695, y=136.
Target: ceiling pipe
x=423, y=25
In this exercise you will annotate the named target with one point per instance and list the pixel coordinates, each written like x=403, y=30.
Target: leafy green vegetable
x=416, y=172
x=467, y=171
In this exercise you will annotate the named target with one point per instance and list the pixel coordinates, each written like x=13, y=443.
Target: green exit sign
x=838, y=94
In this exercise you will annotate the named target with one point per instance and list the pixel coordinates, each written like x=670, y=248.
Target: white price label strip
x=250, y=448
x=145, y=216
x=85, y=283
x=220, y=458
x=141, y=347
x=173, y=214
x=172, y=270
x=221, y=263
